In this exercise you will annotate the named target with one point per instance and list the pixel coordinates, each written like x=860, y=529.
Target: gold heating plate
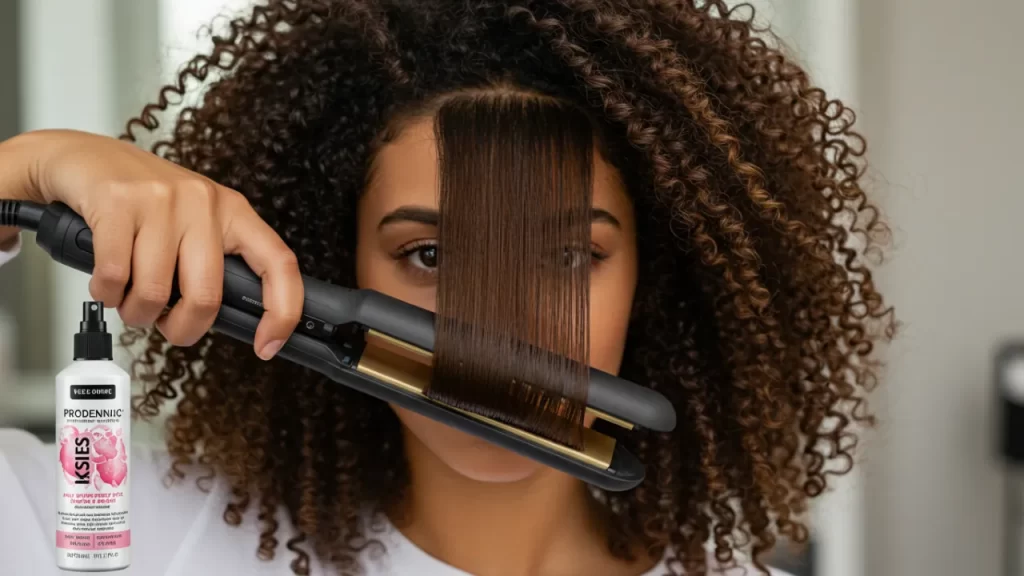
x=408, y=367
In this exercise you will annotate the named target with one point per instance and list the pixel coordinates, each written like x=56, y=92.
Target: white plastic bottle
x=93, y=453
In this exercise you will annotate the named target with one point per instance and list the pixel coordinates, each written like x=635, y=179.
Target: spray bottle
x=94, y=457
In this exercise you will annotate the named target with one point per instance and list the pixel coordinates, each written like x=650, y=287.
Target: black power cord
x=21, y=214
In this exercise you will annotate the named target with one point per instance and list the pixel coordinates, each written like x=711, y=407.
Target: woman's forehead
x=405, y=172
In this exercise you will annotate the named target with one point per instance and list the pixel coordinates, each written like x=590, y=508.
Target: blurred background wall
x=941, y=93
x=937, y=86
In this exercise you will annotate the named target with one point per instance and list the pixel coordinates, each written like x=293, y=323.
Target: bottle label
x=93, y=392
x=94, y=464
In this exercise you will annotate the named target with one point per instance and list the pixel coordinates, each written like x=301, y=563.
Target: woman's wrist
x=22, y=160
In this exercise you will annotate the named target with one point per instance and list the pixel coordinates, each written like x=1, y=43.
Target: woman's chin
x=465, y=454
x=484, y=462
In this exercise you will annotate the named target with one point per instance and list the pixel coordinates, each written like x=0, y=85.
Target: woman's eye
x=424, y=257
x=576, y=257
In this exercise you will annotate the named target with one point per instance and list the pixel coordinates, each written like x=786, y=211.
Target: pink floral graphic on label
x=94, y=456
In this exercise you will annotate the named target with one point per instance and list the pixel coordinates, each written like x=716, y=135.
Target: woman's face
x=396, y=255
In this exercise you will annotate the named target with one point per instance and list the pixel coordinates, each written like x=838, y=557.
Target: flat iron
x=383, y=347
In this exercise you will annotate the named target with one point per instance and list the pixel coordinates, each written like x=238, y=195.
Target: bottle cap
x=93, y=342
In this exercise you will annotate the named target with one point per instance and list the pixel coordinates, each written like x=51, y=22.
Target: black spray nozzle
x=92, y=318
x=93, y=342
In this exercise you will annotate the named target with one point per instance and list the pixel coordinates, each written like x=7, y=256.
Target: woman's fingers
x=201, y=282
x=247, y=235
x=153, y=261
x=112, y=240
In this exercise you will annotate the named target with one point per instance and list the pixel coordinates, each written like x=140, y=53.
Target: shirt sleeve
x=9, y=254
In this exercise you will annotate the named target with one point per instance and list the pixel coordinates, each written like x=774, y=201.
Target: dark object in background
x=1009, y=389
x=795, y=559
x=1009, y=379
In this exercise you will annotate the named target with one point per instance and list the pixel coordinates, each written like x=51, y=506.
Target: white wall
x=942, y=89
x=185, y=31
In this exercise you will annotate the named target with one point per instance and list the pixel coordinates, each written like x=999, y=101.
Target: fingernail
x=270, y=349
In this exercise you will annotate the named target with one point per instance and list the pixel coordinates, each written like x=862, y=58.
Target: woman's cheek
x=611, y=300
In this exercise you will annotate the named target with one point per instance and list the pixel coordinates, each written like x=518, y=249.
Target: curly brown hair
x=755, y=313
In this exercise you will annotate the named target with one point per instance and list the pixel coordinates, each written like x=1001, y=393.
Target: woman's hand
x=147, y=216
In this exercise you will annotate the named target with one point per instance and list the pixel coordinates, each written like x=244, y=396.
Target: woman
x=730, y=281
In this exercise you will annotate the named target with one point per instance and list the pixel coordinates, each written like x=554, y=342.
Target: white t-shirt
x=177, y=529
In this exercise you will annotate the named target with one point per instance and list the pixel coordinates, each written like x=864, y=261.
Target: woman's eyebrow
x=417, y=214
x=429, y=216
x=599, y=215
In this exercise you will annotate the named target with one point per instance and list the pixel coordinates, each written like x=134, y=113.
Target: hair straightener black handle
x=66, y=237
